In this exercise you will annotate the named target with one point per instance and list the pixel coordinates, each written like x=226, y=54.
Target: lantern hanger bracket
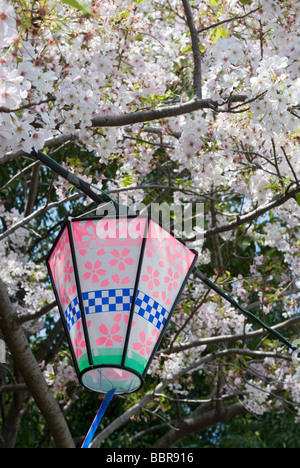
x=71, y=178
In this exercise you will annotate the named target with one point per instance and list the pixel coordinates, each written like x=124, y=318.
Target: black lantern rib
x=80, y=300
x=135, y=291
x=72, y=178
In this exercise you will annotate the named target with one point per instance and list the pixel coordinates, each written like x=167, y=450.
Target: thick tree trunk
x=26, y=363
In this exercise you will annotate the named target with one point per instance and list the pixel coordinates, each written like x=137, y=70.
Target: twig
x=253, y=215
x=37, y=213
x=290, y=165
x=229, y=20
x=7, y=110
x=196, y=49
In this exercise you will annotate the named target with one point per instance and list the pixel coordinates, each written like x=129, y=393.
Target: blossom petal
x=117, y=338
x=142, y=337
x=103, y=328
x=115, y=329
x=101, y=340
x=137, y=346
x=116, y=279
x=101, y=272
x=149, y=341
x=115, y=253
x=95, y=279
x=125, y=252
x=129, y=261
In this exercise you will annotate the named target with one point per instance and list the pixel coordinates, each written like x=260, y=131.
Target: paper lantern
x=117, y=280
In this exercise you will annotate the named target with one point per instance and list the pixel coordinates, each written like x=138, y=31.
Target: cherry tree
x=177, y=101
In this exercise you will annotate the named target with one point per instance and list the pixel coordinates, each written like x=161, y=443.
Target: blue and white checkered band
x=117, y=300
x=112, y=300
x=72, y=313
x=151, y=310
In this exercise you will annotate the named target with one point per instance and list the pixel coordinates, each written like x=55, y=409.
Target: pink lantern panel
x=165, y=266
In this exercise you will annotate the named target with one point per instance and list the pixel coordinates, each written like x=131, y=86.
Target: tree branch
x=196, y=49
x=158, y=113
x=7, y=110
x=37, y=213
x=57, y=140
x=196, y=422
x=253, y=215
x=212, y=340
x=26, y=363
x=35, y=315
x=229, y=20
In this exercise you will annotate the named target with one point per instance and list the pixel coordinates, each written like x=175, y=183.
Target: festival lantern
x=117, y=279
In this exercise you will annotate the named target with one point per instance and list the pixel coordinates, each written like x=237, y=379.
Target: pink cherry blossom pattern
x=95, y=271
x=64, y=299
x=109, y=336
x=155, y=333
x=68, y=270
x=79, y=343
x=171, y=280
x=151, y=278
x=144, y=346
x=126, y=320
x=121, y=259
x=71, y=290
x=166, y=300
x=116, y=279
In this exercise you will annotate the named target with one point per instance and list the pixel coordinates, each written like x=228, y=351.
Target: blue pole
x=98, y=417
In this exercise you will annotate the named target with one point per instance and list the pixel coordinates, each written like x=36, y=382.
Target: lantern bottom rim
x=103, y=378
